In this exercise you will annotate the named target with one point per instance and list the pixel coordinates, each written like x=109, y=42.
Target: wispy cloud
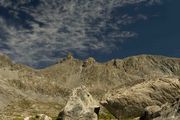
x=55, y=27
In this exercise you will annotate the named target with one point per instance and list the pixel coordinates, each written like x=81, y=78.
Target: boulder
x=80, y=106
x=131, y=101
x=151, y=112
x=170, y=111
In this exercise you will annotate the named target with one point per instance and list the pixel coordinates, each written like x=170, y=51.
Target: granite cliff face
x=26, y=91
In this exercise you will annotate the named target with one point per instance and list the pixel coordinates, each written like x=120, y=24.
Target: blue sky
x=40, y=32
x=159, y=35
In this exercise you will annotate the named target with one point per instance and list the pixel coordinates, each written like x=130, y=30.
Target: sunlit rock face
x=37, y=32
x=130, y=102
x=80, y=106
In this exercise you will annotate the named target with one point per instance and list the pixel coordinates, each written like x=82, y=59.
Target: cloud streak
x=44, y=30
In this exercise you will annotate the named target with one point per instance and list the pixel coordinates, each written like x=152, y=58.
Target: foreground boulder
x=38, y=117
x=170, y=111
x=130, y=102
x=151, y=112
x=80, y=106
x=165, y=112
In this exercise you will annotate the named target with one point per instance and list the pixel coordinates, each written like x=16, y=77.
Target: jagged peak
x=89, y=61
x=4, y=59
x=69, y=56
x=2, y=55
x=148, y=56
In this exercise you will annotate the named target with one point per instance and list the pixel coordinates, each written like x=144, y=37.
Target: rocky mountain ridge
x=26, y=91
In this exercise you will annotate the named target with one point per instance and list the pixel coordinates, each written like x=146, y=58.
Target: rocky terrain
x=80, y=106
x=124, y=86
x=130, y=102
x=168, y=111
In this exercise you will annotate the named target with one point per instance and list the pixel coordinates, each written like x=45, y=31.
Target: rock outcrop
x=151, y=112
x=89, y=61
x=5, y=60
x=80, y=106
x=130, y=102
x=170, y=111
x=69, y=56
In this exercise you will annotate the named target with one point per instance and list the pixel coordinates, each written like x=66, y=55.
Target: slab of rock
x=80, y=106
x=130, y=102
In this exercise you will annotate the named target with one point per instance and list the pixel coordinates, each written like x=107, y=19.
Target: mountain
x=25, y=90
